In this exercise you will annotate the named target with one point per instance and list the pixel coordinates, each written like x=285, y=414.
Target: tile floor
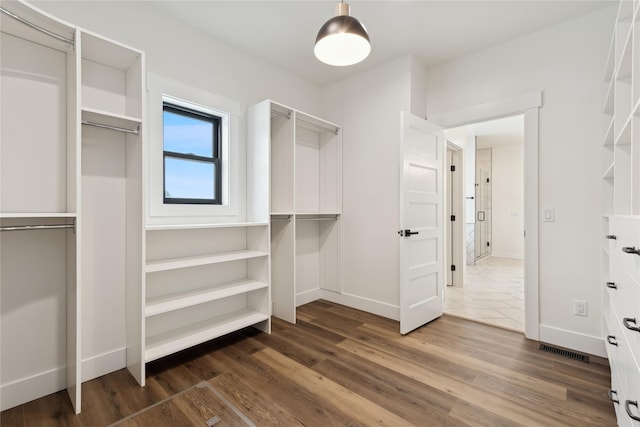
x=493, y=294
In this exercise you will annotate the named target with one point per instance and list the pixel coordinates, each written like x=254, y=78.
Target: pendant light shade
x=342, y=40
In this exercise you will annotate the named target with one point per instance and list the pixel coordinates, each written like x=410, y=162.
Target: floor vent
x=565, y=353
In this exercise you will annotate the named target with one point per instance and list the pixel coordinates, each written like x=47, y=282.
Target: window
x=191, y=147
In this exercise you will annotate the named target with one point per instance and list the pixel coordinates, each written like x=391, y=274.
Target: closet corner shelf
x=176, y=263
x=175, y=340
x=624, y=135
x=318, y=215
x=37, y=215
x=166, y=227
x=109, y=118
x=167, y=303
x=608, y=98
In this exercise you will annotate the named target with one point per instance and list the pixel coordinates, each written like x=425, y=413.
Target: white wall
x=507, y=201
x=368, y=107
x=180, y=52
x=566, y=62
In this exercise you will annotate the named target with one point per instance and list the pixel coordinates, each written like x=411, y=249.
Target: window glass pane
x=188, y=179
x=187, y=135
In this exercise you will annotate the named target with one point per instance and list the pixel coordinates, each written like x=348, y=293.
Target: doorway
x=492, y=287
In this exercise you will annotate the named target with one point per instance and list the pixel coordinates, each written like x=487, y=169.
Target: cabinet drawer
x=631, y=393
x=627, y=232
x=617, y=396
x=623, y=290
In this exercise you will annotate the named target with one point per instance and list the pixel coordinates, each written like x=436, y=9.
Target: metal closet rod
x=36, y=227
x=100, y=125
x=288, y=116
x=37, y=27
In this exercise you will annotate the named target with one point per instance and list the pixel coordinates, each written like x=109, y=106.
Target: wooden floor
x=339, y=366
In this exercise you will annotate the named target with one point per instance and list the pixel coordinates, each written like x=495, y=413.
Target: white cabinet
x=621, y=220
x=305, y=171
x=71, y=198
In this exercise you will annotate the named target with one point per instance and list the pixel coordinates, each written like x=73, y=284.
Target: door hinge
x=488, y=244
x=453, y=168
x=488, y=180
x=453, y=217
x=453, y=267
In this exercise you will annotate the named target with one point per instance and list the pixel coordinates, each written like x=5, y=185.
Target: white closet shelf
x=40, y=19
x=178, y=339
x=110, y=119
x=608, y=173
x=176, y=263
x=108, y=52
x=38, y=215
x=608, y=134
x=311, y=215
x=281, y=213
x=161, y=227
x=624, y=135
x=166, y=303
x=608, y=98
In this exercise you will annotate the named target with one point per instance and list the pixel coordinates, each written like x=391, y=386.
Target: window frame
x=215, y=159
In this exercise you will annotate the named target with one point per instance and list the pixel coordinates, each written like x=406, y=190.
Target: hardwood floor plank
x=477, y=416
x=284, y=391
x=458, y=389
x=548, y=388
x=363, y=410
x=49, y=411
x=404, y=397
x=200, y=404
x=262, y=410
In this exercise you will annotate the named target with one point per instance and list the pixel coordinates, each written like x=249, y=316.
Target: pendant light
x=342, y=40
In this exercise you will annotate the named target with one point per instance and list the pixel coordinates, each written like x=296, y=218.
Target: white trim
x=360, y=303
x=529, y=105
x=32, y=387
x=104, y=363
x=573, y=340
x=489, y=110
x=42, y=384
x=307, y=296
x=508, y=255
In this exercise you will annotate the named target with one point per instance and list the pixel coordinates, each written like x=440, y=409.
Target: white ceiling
x=283, y=32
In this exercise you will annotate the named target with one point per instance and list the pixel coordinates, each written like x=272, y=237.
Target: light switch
x=549, y=215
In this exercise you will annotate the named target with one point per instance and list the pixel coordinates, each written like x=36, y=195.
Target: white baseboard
x=307, y=297
x=508, y=255
x=36, y=386
x=103, y=364
x=27, y=389
x=371, y=306
x=573, y=340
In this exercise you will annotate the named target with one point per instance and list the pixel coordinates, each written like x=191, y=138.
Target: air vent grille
x=564, y=353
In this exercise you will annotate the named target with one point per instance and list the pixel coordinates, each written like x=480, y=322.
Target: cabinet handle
x=612, y=340
x=611, y=393
x=612, y=285
x=611, y=236
x=627, y=408
x=627, y=321
x=631, y=250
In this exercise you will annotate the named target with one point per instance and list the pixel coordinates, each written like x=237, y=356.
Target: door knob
x=407, y=232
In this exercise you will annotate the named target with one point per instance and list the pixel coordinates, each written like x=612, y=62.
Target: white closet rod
x=99, y=125
x=36, y=227
x=319, y=218
x=288, y=116
x=37, y=27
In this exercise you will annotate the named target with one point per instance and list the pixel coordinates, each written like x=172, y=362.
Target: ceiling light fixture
x=342, y=40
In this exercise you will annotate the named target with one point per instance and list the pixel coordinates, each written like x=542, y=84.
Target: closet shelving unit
x=75, y=99
x=621, y=208
x=305, y=199
x=204, y=281
x=207, y=280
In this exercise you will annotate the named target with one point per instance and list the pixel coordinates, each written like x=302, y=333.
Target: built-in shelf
x=176, y=263
x=608, y=98
x=38, y=215
x=199, y=226
x=107, y=118
x=281, y=213
x=320, y=215
x=608, y=134
x=624, y=136
x=166, y=303
x=178, y=339
x=608, y=173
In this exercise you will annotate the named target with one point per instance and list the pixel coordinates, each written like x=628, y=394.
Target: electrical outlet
x=579, y=308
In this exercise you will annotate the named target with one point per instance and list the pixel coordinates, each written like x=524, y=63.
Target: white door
x=422, y=222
